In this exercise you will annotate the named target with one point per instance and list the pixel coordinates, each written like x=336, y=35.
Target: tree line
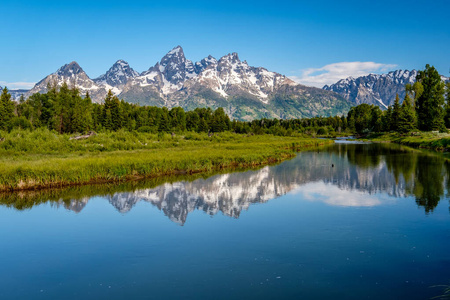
x=64, y=110
x=426, y=107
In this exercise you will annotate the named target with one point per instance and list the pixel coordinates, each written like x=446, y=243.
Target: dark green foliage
x=360, y=117
x=6, y=109
x=387, y=119
x=219, y=121
x=430, y=100
x=21, y=123
x=447, y=106
x=395, y=117
x=427, y=114
x=177, y=119
x=112, y=116
x=407, y=117
x=376, y=122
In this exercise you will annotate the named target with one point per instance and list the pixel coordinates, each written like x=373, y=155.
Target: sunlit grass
x=428, y=140
x=43, y=158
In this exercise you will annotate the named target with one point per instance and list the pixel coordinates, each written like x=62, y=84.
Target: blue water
x=302, y=229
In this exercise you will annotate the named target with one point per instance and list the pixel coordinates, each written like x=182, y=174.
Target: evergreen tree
x=116, y=114
x=396, y=109
x=178, y=119
x=387, y=118
x=220, y=121
x=406, y=122
x=202, y=125
x=359, y=118
x=192, y=120
x=164, y=123
x=376, y=122
x=82, y=119
x=447, y=106
x=106, y=119
x=6, y=109
x=430, y=101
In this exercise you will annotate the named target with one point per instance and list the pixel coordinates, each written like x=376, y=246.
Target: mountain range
x=377, y=89
x=245, y=92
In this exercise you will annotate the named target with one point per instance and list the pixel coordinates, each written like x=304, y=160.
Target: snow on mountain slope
x=378, y=89
x=117, y=77
x=74, y=76
x=246, y=92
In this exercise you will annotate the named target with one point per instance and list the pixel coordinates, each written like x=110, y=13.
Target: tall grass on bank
x=426, y=140
x=70, y=195
x=31, y=160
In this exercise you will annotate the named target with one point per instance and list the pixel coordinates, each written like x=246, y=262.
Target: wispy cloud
x=332, y=73
x=17, y=85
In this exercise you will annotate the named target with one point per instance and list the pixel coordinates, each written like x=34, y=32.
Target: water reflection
x=342, y=174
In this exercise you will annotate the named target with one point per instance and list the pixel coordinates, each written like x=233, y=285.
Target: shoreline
x=439, y=142
x=123, y=166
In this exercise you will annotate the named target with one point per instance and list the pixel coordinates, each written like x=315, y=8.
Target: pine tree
x=376, y=122
x=164, y=123
x=396, y=110
x=202, y=125
x=387, y=119
x=106, y=119
x=116, y=114
x=430, y=101
x=447, y=106
x=220, y=121
x=406, y=122
x=6, y=109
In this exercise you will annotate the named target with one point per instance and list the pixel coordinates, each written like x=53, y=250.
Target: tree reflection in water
x=364, y=168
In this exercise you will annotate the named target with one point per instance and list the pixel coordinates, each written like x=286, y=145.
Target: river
x=346, y=221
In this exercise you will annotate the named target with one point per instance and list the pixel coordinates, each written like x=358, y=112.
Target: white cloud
x=17, y=85
x=333, y=195
x=332, y=73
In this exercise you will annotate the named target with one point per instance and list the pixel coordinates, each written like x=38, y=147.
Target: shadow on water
x=398, y=171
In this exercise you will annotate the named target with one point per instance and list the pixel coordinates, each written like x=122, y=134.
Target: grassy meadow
x=42, y=158
x=425, y=140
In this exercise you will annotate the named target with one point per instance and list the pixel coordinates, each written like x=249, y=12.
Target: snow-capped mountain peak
x=245, y=91
x=70, y=70
x=377, y=89
x=117, y=76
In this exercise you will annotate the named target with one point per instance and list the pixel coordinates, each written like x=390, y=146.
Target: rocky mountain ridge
x=377, y=89
x=245, y=92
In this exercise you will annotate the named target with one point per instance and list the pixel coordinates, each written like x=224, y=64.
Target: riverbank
x=43, y=159
x=424, y=140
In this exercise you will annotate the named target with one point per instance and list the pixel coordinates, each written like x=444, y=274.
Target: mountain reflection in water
x=341, y=174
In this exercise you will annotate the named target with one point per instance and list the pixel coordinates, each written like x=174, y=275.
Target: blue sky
x=314, y=42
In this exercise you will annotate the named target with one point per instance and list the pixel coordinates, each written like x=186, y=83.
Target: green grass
x=426, y=140
x=30, y=160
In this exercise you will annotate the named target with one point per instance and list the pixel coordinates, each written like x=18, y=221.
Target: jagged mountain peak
x=205, y=63
x=175, y=50
x=230, y=57
x=73, y=75
x=170, y=73
x=174, y=56
x=247, y=92
x=69, y=69
x=118, y=75
x=377, y=89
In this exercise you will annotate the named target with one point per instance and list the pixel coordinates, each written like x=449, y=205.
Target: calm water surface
x=349, y=221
